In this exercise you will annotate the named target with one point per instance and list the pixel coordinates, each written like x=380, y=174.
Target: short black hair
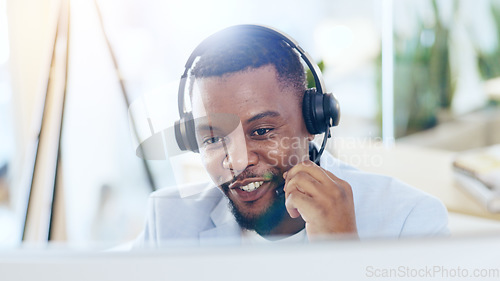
x=246, y=51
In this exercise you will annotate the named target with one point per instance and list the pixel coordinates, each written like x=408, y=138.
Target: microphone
x=277, y=180
x=280, y=191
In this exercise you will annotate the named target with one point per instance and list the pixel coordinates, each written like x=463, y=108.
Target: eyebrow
x=262, y=115
x=206, y=127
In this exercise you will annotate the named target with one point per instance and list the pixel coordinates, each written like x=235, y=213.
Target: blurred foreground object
x=478, y=172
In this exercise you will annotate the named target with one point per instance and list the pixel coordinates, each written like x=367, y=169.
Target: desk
x=427, y=169
x=433, y=259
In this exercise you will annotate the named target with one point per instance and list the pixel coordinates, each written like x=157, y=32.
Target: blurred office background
x=420, y=72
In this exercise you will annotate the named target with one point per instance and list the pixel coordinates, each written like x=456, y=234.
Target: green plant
x=422, y=76
x=489, y=62
x=309, y=76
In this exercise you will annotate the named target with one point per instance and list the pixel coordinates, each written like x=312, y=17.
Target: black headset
x=320, y=110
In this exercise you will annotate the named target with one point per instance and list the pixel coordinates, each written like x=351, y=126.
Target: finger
x=298, y=204
x=321, y=175
x=340, y=182
x=304, y=183
x=290, y=206
x=311, y=168
x=332, y=176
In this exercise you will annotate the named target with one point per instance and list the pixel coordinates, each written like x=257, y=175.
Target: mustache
x=243, y=175
x=271, y=175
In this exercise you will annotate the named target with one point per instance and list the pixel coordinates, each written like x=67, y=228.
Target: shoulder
x=185, y=199
x=172, y=215
x=388, y=207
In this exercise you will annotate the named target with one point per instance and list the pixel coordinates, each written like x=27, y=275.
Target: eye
x=212, y=140
x=261, y=132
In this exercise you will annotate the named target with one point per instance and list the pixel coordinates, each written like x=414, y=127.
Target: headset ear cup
x=178, y=135
x=332, y=109
x=308, y=106
x=191, y=134
x=185, y=134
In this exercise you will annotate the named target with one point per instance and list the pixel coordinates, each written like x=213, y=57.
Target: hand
x=323, y=200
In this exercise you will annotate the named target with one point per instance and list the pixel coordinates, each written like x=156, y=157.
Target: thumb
x=292, y=211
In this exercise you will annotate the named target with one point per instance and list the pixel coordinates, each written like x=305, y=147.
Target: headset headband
x=257, y=30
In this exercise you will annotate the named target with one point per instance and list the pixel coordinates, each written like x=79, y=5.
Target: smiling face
x=250, y=131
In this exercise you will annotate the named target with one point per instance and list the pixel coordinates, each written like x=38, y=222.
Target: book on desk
x=477, y=172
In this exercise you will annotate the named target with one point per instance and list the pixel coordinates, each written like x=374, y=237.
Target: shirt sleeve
x=428, y=218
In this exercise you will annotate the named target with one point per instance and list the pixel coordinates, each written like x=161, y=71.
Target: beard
x=268, y=219
x=265, y=222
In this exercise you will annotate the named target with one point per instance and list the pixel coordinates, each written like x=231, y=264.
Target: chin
x=262, y=218
x=254, y=209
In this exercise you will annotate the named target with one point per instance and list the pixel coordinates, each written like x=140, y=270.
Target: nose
x=239, y=156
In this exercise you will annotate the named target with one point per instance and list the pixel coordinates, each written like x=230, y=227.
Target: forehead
x=244, y=93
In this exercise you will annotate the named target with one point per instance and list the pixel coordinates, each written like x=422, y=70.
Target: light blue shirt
x=385, y=208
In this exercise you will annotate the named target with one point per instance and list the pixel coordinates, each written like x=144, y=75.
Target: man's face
x=250, y=131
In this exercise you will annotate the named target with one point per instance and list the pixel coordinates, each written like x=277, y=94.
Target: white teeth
x=251, y=186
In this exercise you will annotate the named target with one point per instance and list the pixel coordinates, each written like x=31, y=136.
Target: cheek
x=212, y=160
x=287, y=151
